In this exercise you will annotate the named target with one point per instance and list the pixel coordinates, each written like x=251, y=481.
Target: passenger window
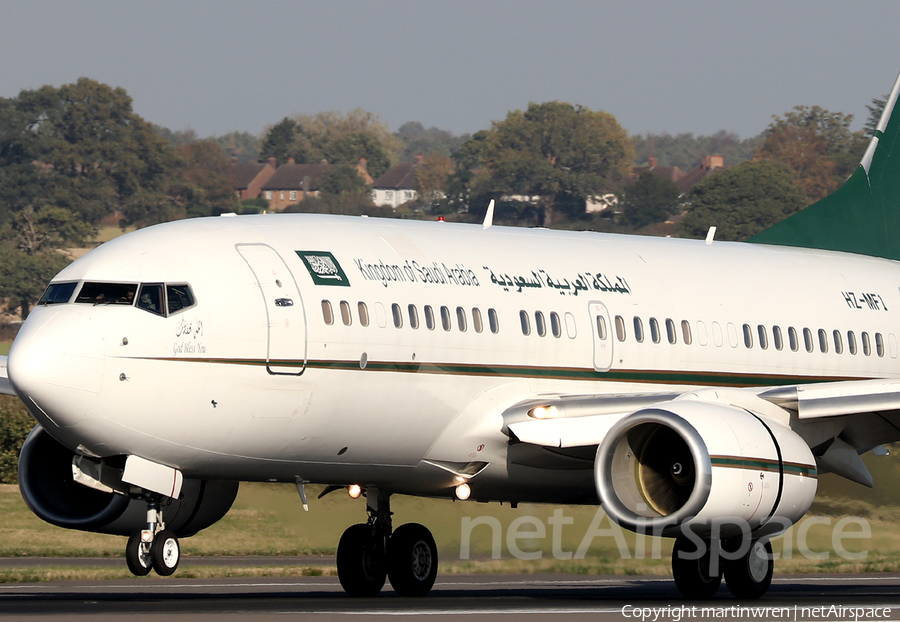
x=686, y=336
x=150, y=299
x=539, y=323
x=601, y=327
x=461, y=319
x=763, y=337
x=179, y=298
x=702, y=335
x=879, y=344
x=638, y=329
x=429, y=317
x=493, y=322
x=807, y=339
x=476, y=320
x=526, y=323
x=776, y=337
x=445, y=318
x=792, y=338
x=397, y=315
x=654, y=330
x=670, y=331
x=620, y=328
x=838, y=342
x=748, y=336
x=345, y=313
x=823, y=341
x=851, y=341
x=413, y=316
x=363, y=311
x=555, y=325
x=867, y=346
x=571, y=329
x=327, y=313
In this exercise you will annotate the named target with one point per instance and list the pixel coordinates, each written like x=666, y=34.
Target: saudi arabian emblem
x=324, y=268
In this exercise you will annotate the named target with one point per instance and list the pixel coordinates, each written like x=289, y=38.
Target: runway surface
x=471, y=598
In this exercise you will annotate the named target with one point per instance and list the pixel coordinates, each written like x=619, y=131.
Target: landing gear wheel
x=412, y=560
x=360, y=562
x=165, y=553
x=692, y=576
x=137, y=556
x=750, y=575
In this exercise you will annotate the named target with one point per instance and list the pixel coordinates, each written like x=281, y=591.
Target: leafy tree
x=875, y=109
x=177, y=137
x=687, y=151
x=651, y=198
x=816, y=145
x=203, y=186
x=432, y=175
x=559, y=152
x=343, y=179
x=348, y=148
x=242, y=146
x=351, y=204
x=15, y=424
x=742, y=201
x=24, y=277
x=279, y=141
x=417, y=140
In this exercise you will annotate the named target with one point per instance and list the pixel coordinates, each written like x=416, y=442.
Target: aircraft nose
x=56, y=365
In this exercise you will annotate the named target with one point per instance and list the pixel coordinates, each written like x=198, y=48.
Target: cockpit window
x=107, y=293
x=179, y=297
x=57, y=293
x=151, y=298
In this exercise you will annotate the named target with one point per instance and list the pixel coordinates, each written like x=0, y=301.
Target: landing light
x=544, y=412
x=354, y=490
x=463, y=491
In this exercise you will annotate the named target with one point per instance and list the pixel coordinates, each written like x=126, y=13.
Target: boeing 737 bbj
x=694, y=388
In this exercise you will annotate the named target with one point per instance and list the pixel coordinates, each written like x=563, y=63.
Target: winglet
x=489, y=216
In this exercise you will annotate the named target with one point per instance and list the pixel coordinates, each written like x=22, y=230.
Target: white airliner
x=694, y=388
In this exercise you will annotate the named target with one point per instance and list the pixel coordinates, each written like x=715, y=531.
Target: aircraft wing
x=5, y=387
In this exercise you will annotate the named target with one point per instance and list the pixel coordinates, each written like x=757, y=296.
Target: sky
x=690, y=66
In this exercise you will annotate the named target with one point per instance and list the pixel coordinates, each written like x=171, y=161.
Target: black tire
x=750, y=576
x=165, y=553
x=360, y=562
x=412, y=560
x=692, y=576
x=138, y=561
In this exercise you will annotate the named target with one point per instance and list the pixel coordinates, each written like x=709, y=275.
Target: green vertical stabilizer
x=863, y=215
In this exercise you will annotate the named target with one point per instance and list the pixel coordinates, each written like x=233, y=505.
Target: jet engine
x=47, y=484
x=711, y=468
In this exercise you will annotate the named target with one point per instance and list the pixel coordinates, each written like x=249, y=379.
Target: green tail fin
x=863, y=215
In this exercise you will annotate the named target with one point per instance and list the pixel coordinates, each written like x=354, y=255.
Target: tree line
x=75, y=157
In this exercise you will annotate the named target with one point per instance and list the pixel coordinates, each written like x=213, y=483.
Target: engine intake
x=691, y=463
x=50, y=491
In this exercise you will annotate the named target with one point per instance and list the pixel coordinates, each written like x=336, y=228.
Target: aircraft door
x=601, y=329
x=285, y=316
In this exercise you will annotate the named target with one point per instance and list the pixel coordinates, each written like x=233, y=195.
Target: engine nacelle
x=705, y=467
x=47, y=485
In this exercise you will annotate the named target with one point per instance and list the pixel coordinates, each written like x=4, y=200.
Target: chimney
x=653, y=161
x=273, y=162
x=716, y=161
x=290, y=160
x=419, y=158
x=363, y=167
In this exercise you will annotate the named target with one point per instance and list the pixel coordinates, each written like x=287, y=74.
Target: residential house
x=248, y=179
x=396, y=186
x=292, y=182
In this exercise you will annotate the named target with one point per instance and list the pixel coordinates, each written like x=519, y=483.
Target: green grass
x=4, y=347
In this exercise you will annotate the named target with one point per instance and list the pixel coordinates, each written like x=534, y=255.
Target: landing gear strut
x=369, y=553
x=155, y=547
x=747, y=575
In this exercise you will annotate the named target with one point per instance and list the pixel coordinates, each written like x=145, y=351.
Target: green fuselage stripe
x=644, y=376
x=763, y=464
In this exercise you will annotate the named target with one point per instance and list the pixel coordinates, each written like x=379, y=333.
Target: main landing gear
x=747, y=574
x=370, y=553
x=153, y=548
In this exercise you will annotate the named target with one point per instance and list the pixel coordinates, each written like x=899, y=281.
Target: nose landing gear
x=153, y=548
x=369, y=553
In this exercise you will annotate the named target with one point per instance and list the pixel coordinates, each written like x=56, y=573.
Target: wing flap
x=833, y=399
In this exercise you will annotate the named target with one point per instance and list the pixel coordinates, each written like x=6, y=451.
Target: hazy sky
x=688, y=66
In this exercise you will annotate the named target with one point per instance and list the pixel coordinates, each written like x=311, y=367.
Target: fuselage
x=349, y=350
